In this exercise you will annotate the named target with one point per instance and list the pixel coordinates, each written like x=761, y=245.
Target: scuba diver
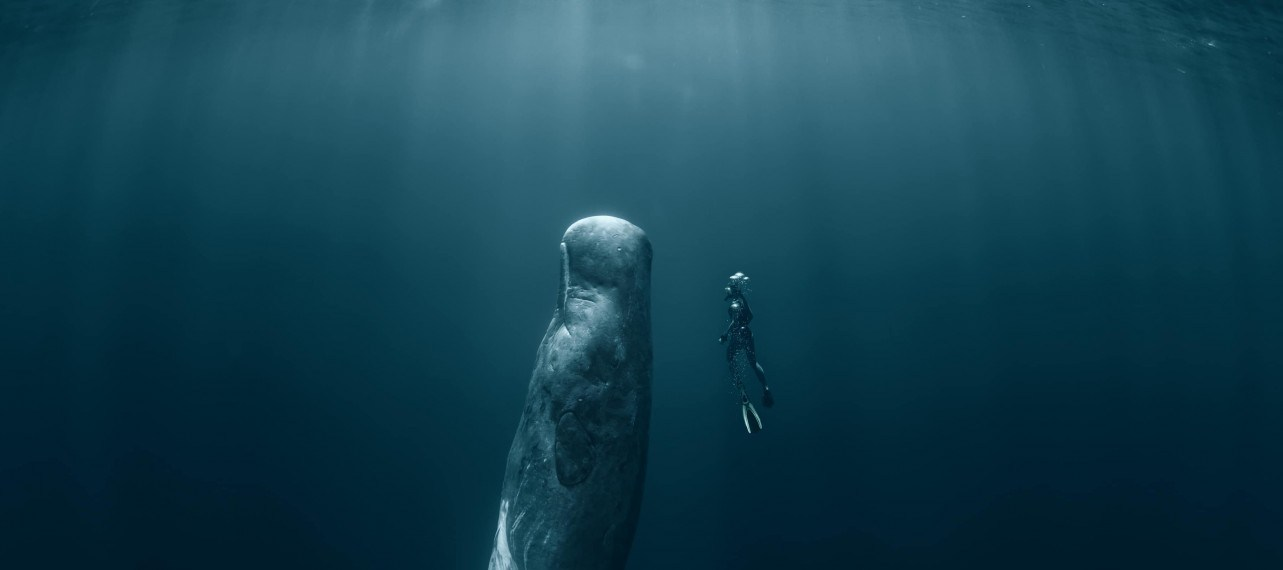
x=740, y=338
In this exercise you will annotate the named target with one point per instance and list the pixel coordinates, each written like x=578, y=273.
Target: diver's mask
x=738, y=285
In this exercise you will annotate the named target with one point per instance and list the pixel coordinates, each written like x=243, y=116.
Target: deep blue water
x=272, y=275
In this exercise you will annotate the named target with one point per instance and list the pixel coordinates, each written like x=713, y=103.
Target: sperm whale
x=573, y=486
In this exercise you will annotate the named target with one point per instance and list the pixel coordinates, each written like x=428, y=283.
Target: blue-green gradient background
x=272, y=274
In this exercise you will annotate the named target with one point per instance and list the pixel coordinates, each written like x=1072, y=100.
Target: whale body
x=573, y=486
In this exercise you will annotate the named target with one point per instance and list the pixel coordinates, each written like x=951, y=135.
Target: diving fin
x=752, y=421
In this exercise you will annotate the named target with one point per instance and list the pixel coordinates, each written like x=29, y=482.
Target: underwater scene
x=643, y=284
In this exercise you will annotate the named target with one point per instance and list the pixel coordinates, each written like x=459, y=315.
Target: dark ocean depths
x=272, y=275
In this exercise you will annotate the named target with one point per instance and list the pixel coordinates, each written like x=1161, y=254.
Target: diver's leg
x=752, y=421
x=737, y=382
x=751, y=352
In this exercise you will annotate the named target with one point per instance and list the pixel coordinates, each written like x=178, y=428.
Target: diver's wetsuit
x=740, y=337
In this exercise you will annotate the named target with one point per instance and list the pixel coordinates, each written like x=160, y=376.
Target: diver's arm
x=730, y=314
x=747, y=313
